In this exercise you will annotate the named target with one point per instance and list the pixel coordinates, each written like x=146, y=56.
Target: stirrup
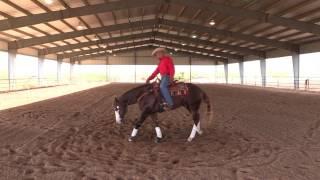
x=165, y=106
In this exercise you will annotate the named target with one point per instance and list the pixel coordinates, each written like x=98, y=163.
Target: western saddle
x=175, y=89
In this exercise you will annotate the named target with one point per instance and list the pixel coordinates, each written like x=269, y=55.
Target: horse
x=150, y=104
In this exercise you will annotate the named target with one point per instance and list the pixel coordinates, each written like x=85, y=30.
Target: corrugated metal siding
x=121, y=60
x=94, y=62
x=200, y=61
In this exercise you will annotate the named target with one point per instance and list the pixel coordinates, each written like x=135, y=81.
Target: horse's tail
x=206, y=99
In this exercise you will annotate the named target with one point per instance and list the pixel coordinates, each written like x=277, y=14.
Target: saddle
x=175, y=89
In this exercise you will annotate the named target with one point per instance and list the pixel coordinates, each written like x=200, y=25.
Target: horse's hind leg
x=154, y=118
x=196, y=125
x=138, y=124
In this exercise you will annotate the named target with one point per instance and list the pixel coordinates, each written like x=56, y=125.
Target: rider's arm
x=154, y=74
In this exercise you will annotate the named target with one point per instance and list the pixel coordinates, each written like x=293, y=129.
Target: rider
x=166, y=70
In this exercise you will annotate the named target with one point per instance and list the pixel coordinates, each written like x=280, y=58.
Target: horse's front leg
x=145, y=113
x=154, y=118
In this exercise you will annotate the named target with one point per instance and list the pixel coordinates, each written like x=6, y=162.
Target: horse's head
x=120, y=109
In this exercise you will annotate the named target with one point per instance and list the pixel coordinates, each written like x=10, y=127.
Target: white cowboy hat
x=158, y=50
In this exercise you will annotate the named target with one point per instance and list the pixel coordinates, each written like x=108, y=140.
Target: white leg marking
x=118, y=118
x=158, y=131
x=134, y=132
x=193, y=133
x=198, y=129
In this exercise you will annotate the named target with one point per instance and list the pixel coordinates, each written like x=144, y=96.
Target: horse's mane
x=132, y=93
x=141, y=87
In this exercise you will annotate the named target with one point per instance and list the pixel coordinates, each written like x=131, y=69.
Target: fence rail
x=7, y=85
x=305, y=83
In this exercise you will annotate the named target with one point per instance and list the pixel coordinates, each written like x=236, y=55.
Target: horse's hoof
x=190, y=139
x=157, y=140
x=130, y=139
x=200, y=132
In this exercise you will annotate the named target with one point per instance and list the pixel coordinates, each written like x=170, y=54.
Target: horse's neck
x=132, y=96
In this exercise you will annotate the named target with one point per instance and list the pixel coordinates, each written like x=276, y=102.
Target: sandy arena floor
x=253, y=134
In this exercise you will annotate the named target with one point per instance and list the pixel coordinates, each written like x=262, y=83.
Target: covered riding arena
x=63, y=62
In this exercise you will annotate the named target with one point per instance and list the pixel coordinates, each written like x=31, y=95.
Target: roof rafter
x=86, y=44
x=129, y=49
x=201, y=50
x=192, y=50
x=186, y=39
x=18, y=22
x=69, y=55
x=57, y=37
x=250, y=14
x=91, y=56
x=199, y=28
x=167, y=36
x=225, y=33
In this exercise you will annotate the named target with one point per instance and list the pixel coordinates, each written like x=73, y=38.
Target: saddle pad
x=178, y=89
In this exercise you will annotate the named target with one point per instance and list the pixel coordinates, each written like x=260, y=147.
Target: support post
x=263, y=72
x=216, y=63
x=226, y=71
x=59, y=63
x=71, y=70
x=296, y=69
x=241, y=70
x=40, y=69
x=135, y=67
x=190, y=72
x=12, y=54
x=107, y=64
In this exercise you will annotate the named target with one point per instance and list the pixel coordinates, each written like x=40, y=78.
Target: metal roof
x=71, y=28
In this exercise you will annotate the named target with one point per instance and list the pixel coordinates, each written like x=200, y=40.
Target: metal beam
x=90, y=56
x=250, y=14
x=195, y=55
x=226, y=71
x=186, y=39
x=18, y=22
x=59, y=65
x=263, y=71
x=241, y=71
x=58, y=37
x=86, y=44
x=12, y=54
x=80, y=58
x=296, y=69
x=40, y=69
x=79, y=53
x=73, y=54
x=230, y=34
x=151, y=34
x=179, y=46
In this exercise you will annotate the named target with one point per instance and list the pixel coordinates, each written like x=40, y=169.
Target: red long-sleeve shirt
x=165, y=67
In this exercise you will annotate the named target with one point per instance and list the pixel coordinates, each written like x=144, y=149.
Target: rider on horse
x=166, y=70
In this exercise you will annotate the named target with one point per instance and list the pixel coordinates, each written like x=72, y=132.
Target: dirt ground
x=253, y=133
x=19, y=98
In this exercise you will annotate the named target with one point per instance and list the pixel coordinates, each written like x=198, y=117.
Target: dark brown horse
x=150, y=105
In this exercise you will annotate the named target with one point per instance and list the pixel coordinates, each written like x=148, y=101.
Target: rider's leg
x=164, y=88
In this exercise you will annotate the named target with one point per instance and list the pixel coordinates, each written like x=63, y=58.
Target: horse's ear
x=116, y=99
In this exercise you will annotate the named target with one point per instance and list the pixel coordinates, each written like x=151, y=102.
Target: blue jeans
x=164, y=88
